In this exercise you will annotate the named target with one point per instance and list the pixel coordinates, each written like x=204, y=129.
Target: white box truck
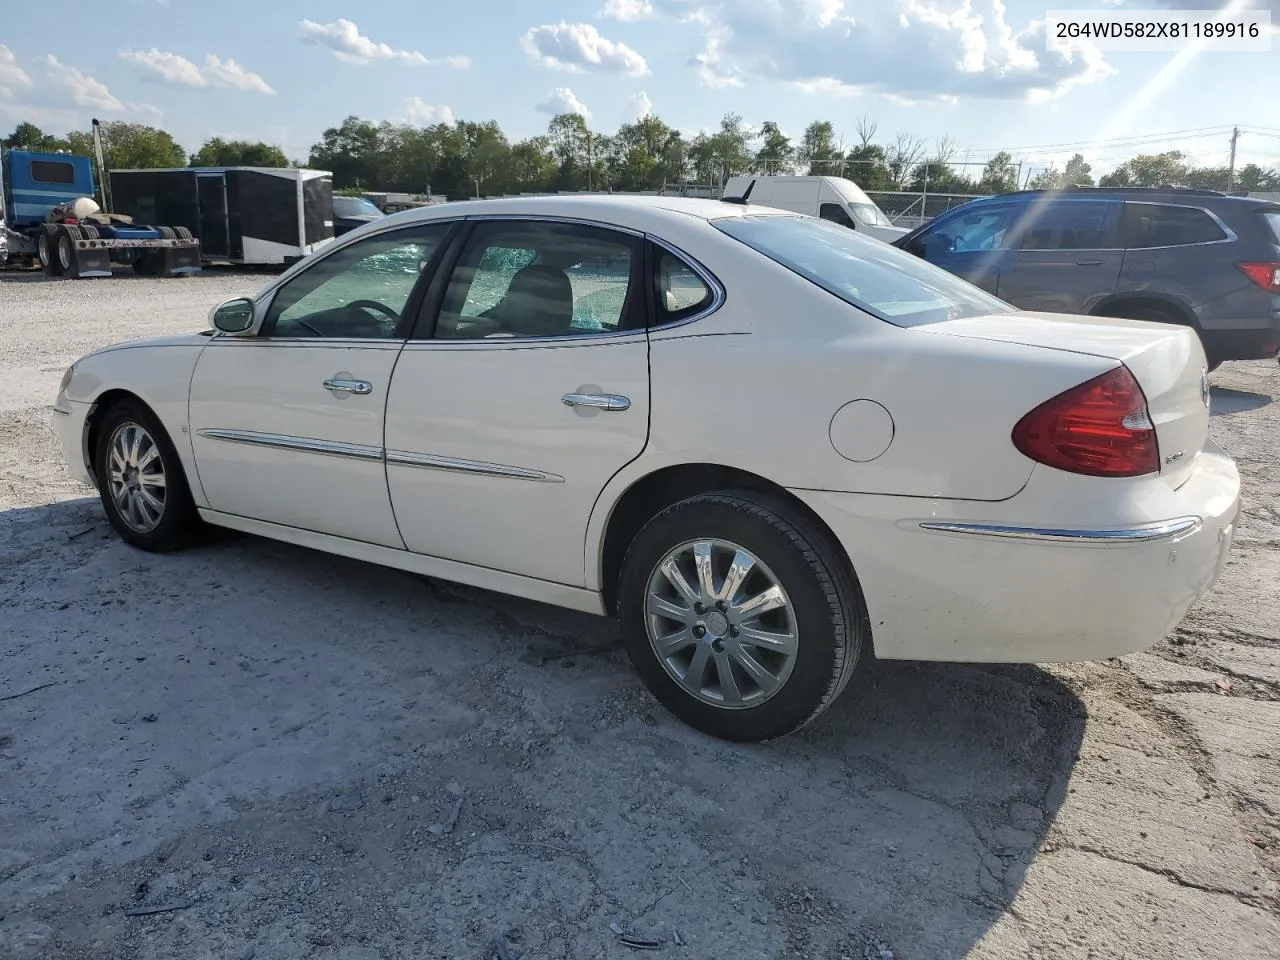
x=831, y=198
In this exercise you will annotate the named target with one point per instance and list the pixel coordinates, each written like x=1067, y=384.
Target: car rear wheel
x=47, y=254
x=740, y=617
x=141, y=481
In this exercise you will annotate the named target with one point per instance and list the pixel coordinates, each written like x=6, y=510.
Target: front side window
x=359, y=291
x=836, y=214
x=1069, y=225
x=541, y=279
x=873, y=276
x=1167, y=225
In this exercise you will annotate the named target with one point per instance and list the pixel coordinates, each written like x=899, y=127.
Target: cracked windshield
x=574, y=480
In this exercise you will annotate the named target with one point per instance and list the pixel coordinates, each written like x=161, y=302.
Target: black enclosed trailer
x=249, y=215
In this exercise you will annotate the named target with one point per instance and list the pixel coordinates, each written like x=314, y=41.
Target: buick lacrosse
x=768, y=445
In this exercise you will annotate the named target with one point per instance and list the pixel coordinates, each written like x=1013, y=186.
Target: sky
x=975, y=71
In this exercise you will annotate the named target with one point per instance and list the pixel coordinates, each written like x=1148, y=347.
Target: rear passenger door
x=524, y=390
x=1065, y=255
x=1179, y=251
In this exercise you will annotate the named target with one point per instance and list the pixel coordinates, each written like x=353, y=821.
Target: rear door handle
x=342, y=385
x=1088, y=263
x=601, y=401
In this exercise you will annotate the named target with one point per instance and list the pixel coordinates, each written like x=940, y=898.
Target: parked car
x=768, y=444
x=830, y=198
x=352, y=212
x=1198, y=258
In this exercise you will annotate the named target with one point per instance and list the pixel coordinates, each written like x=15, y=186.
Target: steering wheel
x=381, y=308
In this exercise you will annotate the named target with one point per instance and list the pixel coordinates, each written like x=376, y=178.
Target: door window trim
x=424, y=328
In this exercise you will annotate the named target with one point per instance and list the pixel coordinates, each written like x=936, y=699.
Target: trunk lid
x=1167, y=360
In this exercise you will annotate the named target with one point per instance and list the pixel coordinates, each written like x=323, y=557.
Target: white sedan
x=765, y=443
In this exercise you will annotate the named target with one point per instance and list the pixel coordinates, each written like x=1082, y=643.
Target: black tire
x=66, y=250
x=178, y=520
x=826, y=602
x=90, y=232
x=183, y=233
x=167, y=233
x=46, y=251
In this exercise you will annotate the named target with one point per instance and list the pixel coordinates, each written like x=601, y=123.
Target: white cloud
x=349, y=45
x=178, y=70
x=579, y=47
x=912, y=50
x=85, y=91
x=627, y=11
x=12, y=76
x=417, y=111
x=638, y=105
x=564, y=100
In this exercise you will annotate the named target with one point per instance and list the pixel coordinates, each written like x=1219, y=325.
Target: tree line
x=469, y=158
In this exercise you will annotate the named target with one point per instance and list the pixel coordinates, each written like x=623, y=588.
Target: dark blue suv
x=1208, y=260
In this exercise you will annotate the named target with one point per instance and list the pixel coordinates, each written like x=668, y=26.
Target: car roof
x=624, y=209
x=1183, y=194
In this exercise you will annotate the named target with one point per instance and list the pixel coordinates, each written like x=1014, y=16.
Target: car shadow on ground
x=245, y=720
x=1225, y=401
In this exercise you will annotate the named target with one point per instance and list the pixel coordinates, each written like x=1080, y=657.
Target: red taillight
x=1265, y=275
x=1100, y=428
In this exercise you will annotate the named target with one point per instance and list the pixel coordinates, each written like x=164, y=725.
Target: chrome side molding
x=1142, y=534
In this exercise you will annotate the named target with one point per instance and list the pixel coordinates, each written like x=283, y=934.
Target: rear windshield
x=1273, y=220
x=869, y=274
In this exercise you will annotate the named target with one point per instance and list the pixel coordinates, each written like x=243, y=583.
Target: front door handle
x=601, y=401
x=342, y=385
x=1088, y=263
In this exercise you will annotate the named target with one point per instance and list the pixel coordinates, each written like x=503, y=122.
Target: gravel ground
x=293, y=755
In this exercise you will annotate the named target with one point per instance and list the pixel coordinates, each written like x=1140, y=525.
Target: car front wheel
x=740, y=616
x=141, y=481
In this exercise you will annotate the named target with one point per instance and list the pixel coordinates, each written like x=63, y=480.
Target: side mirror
x=233, y=316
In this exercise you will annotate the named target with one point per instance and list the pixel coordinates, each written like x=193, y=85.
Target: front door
x=1066, y=256
x=506, y=421
x=972, y=244
x=287, y=424
x=215, y=230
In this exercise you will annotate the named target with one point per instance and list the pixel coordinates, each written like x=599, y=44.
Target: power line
x=1199, y=131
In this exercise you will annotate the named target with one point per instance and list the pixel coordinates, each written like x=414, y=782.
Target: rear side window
x=680, y=293
x=1167, y=225
x=1070, y=225
x=51, y=171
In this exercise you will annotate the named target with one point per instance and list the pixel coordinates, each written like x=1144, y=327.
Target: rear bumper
x=1262, y=344
x=947, y=580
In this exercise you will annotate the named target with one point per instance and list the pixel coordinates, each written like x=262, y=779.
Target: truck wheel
x=66, y=251
x=47, y=254
x=168, y=234
x=183, y=233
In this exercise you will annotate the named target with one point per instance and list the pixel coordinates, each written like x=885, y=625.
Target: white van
x=831, y=198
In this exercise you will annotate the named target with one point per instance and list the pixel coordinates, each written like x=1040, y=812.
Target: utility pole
x=1231, y=168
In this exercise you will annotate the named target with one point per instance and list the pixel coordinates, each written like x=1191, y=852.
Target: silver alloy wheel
x=64, y=253
x=720, y=623
x=43, y=251
x=135, y=477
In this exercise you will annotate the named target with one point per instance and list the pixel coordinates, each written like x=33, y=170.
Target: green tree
x=217, y=152
x=27, y=136
x=1149, y=170
x=1000, y=175
x=776, y=154
x=718, y=156
x=1255, y=178
x=820, y=152
x=131, y=146
x=350, y=151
